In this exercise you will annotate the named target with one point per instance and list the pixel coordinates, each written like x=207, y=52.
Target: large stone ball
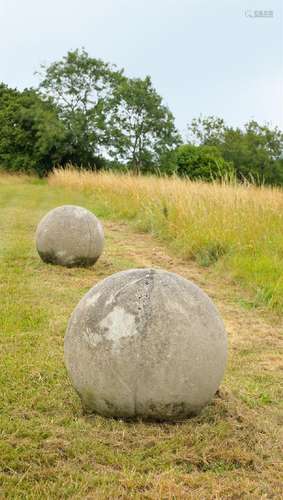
x=70, y=236
x=145, y=343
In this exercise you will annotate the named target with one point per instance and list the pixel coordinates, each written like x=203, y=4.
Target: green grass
x=49, y=449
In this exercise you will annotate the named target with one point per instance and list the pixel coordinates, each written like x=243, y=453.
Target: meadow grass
x=237, y=228
x=48, y=448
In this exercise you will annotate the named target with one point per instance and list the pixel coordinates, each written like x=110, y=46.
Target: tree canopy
x=82, y=89
x=256, y=151
x=142, y=126
x=32, y=138
x=107, y=113
x=88, y=112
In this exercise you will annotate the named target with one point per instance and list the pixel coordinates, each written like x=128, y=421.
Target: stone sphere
x=145, y=343
x=69, y=236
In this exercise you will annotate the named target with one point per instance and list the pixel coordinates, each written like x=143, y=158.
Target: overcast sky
x=204, y=56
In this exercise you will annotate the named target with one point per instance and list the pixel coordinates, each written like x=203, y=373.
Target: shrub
x=201, y=162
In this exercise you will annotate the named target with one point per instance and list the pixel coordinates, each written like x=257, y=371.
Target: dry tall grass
x=238, y=226
x=9, y=178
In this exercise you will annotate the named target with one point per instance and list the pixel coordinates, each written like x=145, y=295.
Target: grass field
x=238, y=229
x=48, y=448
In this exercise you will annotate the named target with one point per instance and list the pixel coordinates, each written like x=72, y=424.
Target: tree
x=82, y=88
x=107, y=114
x=32, y=138
x=206, y=131
x=142, y=126
x=256, y=151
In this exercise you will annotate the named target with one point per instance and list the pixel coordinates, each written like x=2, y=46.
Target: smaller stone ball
x=70, y=236
x=145, y=343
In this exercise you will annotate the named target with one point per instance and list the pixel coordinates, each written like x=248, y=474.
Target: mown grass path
x=48, y=449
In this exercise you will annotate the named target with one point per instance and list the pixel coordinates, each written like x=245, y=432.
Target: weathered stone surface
x=70, y=236
x=145, y=343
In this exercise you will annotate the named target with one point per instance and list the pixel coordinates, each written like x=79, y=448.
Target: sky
x=205, y=57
